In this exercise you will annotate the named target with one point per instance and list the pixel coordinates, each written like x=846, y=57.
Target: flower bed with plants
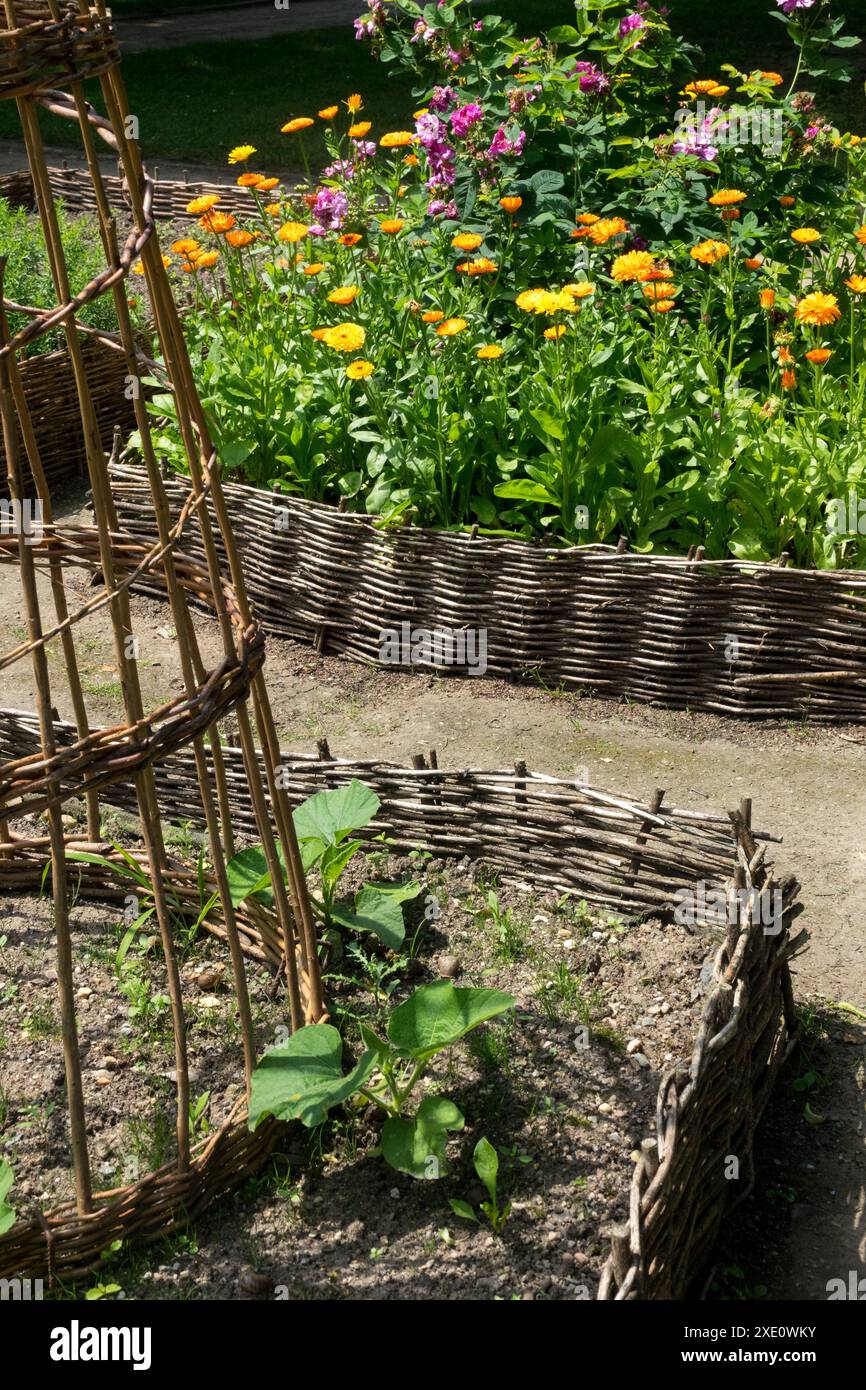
x=589, y=292
x=472, y=1113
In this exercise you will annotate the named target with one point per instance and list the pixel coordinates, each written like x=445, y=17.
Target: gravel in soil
x=564, y=1087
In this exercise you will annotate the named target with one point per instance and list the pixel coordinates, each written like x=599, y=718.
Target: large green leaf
x=303, y=1078
x=248, y=876
x=7, y=1213
x=328, y=817
x=440, y=1014
x=380, y=913
x=417, y=1146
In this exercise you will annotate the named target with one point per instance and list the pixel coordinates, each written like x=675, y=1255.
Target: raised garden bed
x=562, y=859
x=49, y=384
x=728, y=637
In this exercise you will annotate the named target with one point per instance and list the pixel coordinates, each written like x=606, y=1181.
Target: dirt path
x=807, y=785
x=241, y=22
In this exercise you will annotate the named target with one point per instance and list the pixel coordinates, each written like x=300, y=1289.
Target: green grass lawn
x=194, y=103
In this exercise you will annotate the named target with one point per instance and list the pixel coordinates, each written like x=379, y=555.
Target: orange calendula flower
x=709, y=252
x=860, y=234
x=359, y=370
x=432, y=316
x=345, y=294
x=360, y=129
x=489, y=352
x=789, y=380
x=786, y=357
x=392, y=225
x=818, y=309
x=753, y=263
x=274, y=210
x=449, y=328
x=727, y=197
x=775, y=79
x=293, y=231
x=467, y=241
x=206, y=260
x=855, y=283
x=634, y=265
x=480, y=266
x=299, y=123
x=512, y=204
x=706, y=87
x=662, y=306
x=240, y=237
x=217, y=222
x=349, y=239
x=582, y=289
x=186, y=246
x=345, y=337
x=248, y=180
x=328, y=113
x=660, y=289
x=355, y=103
x=318, y=333
x=787, y=201
x=204, y=204
x=819, y=356
x=240, y=153
x=767, y=299
x=533, y=301
x=315, y=268
x=412, y=160
x=397, y=139
x=587, y=219
x=805, y=235
x=556, y=332
x=266, y=185
x=606, y=228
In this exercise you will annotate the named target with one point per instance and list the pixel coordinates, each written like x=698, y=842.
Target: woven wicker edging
x=725, y=637
x=548, y=833
x=49, y=384
x=75, y=188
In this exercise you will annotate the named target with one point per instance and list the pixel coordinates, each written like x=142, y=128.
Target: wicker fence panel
x=75, y=189
x=49, y=384
x=684, y=1185
x=654, y=629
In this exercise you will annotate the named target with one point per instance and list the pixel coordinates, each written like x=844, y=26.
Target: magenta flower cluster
x=592, y=79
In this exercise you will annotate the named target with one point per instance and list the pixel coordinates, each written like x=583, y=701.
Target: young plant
x=7, y=1212
x=509, y=932
x=324, y=824
x=303, y=1078
x=486, y=1161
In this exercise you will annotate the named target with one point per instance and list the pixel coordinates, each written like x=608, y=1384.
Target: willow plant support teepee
x=48, y=48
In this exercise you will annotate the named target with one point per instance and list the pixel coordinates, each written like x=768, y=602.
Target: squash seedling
x=302, y=1079
x=323, y=824
x=486, y=1161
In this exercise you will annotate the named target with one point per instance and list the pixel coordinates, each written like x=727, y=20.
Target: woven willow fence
x=48, y=381
x=548, y=834
x=726, y=637
x=74, y=188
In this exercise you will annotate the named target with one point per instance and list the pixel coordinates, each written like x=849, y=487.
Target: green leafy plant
x=7, y=1212
x=303, y=1078
x=486, y=1161
x=509, y=932
x=325, y=825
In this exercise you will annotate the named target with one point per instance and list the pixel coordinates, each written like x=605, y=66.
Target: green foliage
x=486, y=1161
x=323, y=824
x=7, y=1212
x=303, y=1078
x=28, y=276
